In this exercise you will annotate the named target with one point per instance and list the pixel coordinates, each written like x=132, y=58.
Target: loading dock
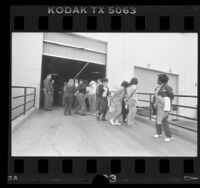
x=68, y=56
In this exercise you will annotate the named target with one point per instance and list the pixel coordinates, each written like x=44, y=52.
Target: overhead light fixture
x=95, y=72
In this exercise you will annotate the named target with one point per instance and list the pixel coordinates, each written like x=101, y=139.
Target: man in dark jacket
x=48, y=92
x=103, y=99
x=81, y=96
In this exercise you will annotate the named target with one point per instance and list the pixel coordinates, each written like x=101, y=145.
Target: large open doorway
x=63, y=69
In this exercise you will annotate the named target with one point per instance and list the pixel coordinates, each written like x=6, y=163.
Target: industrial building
x=117, y=56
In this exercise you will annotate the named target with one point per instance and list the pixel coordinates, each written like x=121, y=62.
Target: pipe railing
x=150, y=109
x=25, y=102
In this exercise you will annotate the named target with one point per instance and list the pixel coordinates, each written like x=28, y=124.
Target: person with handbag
x=163, y=101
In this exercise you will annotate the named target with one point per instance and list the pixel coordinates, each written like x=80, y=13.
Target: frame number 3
x=112, y=178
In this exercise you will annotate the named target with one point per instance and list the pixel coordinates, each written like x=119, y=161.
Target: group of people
x=80, y=95
x=92, y=99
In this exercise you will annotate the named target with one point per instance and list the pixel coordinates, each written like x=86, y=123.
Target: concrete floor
x=53, y=134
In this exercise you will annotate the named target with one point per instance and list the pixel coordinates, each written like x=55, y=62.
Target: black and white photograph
x=104, y=94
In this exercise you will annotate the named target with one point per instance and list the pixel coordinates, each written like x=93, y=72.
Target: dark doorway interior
x=64, y=69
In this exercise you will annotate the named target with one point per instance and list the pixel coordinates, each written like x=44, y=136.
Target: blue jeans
x=103, y=105
x=81, y=102
x=161, y=120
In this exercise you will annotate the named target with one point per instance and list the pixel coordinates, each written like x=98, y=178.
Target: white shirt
x=93, y=89
x=88, y=90
x=132, y=91
x=76, y=84
x=167, y=106
x=105, y=91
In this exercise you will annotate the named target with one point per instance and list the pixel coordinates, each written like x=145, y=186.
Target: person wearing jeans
x=103, y=99
x=163, y=105
x=162, y=116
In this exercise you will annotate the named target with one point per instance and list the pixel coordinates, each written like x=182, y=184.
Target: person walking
x=68, y=94
x=118, y=99
x=48, y=89
x=103, y=99
x=162, y=102
x=75, y=103
x=92, y=97
x=97, y=94
x=81, y=96
x=131, y=100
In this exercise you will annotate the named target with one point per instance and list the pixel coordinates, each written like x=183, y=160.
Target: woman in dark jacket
x=68, y=94
x=103, y=99
x=162, y=113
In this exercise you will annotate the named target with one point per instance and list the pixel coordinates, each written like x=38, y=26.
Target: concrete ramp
x=50, y=133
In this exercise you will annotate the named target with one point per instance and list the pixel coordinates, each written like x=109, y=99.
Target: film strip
x=104, y=170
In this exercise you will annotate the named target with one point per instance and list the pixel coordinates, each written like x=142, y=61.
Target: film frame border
x=116, y=169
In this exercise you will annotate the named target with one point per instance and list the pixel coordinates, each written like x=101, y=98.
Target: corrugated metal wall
x=147, y=79
x=73, y=46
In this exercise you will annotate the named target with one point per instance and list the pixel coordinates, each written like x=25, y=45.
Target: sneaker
x=112, y=121
x=130, y=125
x=168, y=139
x=103, y=119
x=117, y=122
x=97, y=116
x=157, y=135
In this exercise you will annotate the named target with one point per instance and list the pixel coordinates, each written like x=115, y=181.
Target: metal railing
x=150, y=109
x=24, y=100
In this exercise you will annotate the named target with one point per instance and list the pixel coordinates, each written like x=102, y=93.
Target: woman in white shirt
x=92, y=97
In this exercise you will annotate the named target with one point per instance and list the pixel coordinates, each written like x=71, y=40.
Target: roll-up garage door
x=147, y=79
x=76, y=47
